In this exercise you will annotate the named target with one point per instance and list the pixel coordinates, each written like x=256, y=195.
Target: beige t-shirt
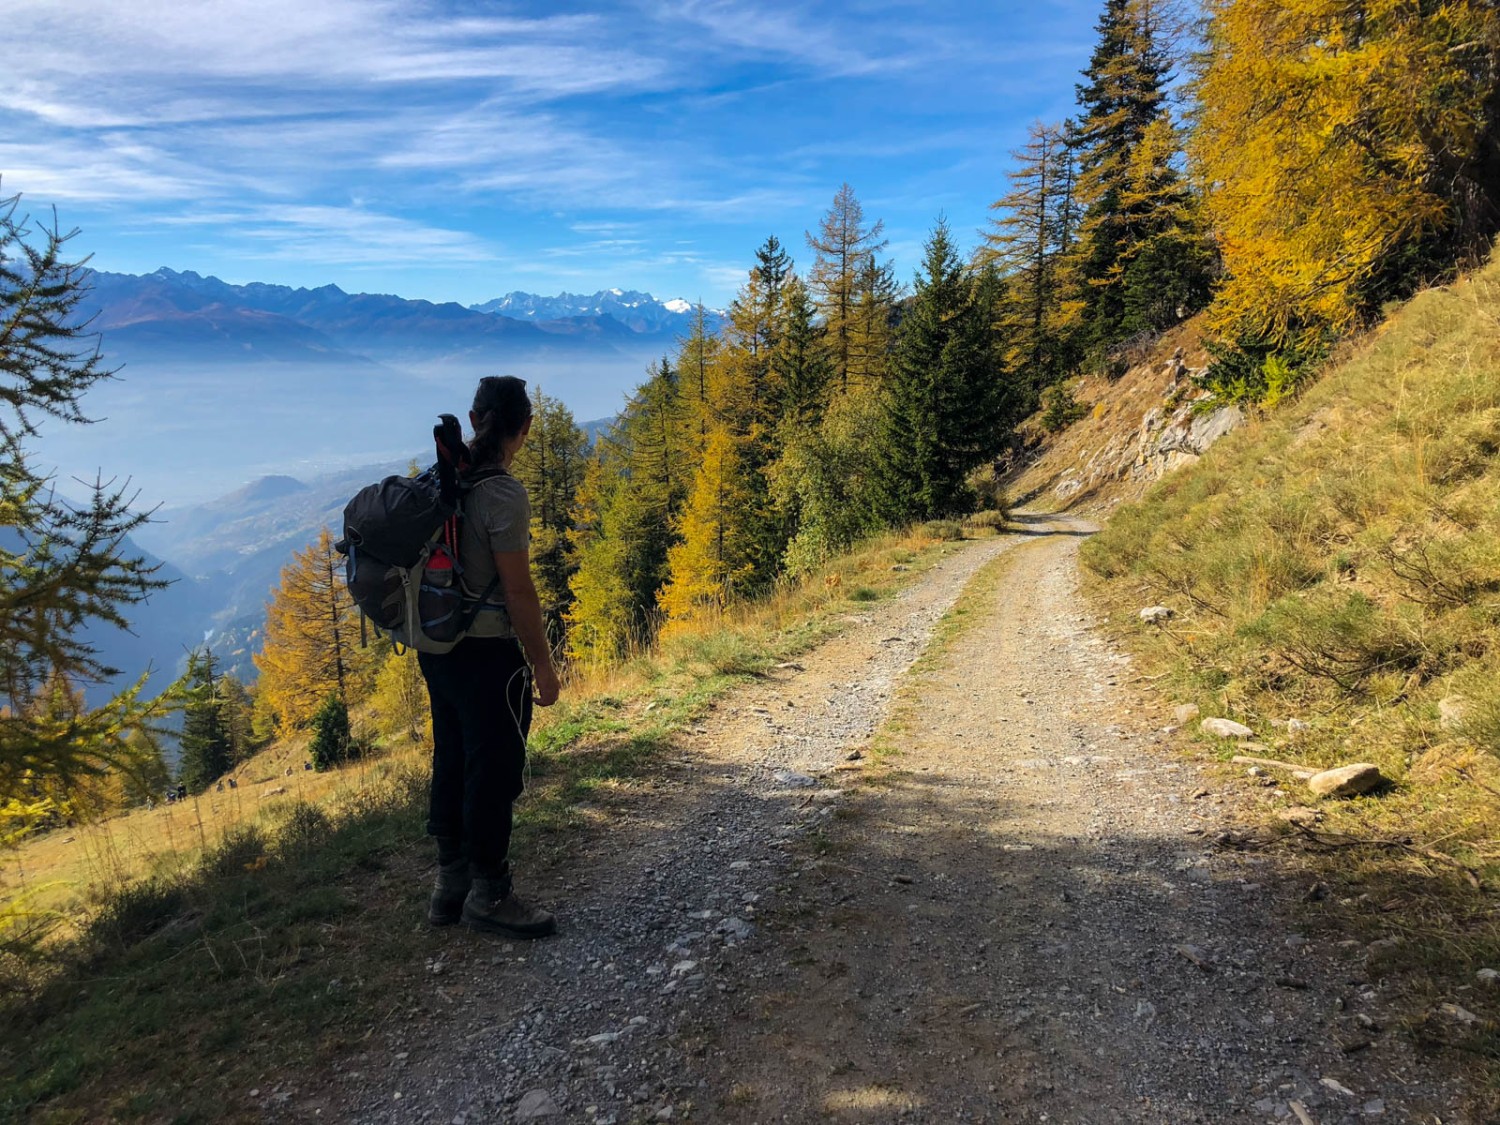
x=497, y=517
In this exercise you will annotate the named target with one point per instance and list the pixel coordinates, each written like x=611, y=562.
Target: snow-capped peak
x=677, y=305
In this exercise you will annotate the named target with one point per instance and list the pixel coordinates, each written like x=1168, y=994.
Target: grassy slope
x=1338, y=562
x=192, y=974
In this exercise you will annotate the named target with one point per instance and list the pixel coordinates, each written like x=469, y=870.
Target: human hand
x=545, y=686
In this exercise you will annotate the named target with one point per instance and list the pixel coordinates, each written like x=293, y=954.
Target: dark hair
x=501, y=408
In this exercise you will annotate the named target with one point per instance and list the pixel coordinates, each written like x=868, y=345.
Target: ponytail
x=501, y=409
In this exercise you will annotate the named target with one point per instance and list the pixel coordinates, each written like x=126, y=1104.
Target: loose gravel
x=1026, y=920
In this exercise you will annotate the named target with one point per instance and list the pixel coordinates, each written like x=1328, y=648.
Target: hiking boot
x=494, y=908
x=446, y=907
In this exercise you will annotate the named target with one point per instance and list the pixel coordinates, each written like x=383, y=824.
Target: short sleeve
x=500, y=506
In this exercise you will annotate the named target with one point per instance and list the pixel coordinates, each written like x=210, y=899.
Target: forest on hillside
x=1285, y=167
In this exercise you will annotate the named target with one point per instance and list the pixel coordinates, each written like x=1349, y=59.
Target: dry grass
x=1338, y=562
x=190, y=950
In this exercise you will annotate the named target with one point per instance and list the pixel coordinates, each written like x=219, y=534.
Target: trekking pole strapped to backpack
x=401, y=543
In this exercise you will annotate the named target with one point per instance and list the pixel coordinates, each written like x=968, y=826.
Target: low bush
x=941, y=530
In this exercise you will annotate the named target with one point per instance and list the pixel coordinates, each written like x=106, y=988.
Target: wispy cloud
x=339, y=236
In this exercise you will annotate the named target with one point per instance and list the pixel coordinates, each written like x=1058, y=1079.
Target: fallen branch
x=1398, y=845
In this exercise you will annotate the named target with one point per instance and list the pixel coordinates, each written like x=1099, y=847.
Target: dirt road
x=1021, y=916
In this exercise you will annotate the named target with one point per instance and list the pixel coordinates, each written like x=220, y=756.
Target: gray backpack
x=401, y=548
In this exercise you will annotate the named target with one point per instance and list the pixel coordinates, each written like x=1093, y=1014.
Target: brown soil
x=1020, y=915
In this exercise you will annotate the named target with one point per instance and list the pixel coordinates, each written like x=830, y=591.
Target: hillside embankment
x=1134, y=429
x=1329, y=576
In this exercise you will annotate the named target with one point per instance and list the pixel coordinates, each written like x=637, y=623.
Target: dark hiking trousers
x=481, y=712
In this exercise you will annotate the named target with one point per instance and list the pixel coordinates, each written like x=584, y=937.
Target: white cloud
x=339, y=236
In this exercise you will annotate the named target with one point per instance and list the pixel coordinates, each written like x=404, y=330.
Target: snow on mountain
x=640, y=312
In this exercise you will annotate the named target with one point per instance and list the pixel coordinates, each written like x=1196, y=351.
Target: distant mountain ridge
x=640, y=312
x=180, y=314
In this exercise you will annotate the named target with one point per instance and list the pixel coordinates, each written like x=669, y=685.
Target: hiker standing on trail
x=482, y=690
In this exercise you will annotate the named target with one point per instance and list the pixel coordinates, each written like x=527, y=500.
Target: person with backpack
x=483, y=688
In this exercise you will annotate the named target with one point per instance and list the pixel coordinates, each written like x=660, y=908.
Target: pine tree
x=851, y=288
x=942, y=415
x=1028, y=245
x=695, y=361
x=239, y=719
x=1121, y=97
x=1347, y=151
x=551, y=466
x=207, y=748
x=1165, y=272
x=331, y=743
x=400, y=698
x=714, y=557
x=627, y=510
x=63, y=568
x=800, y=371
x=310, y=650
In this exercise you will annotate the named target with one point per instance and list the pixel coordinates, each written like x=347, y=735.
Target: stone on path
x=1225, y=728
x=1156, y=614
x=535, y=1105
x=1346, y=781
x=793, y=779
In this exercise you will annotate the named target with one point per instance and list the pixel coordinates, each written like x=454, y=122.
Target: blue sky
x=457, y=151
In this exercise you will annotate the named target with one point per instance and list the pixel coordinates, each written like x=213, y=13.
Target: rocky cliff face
x=1150, y=422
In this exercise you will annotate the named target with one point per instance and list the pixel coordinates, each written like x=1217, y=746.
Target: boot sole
x=485, y=926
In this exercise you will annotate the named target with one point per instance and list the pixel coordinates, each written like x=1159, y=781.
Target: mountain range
x=178, y=316
x=307, y=394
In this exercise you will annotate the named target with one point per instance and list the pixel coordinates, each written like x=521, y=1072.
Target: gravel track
x=1024, y=920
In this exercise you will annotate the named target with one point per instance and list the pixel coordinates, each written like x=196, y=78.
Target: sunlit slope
x=1339, y=560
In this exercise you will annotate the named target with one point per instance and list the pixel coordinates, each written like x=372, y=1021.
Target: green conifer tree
x=852, y=289
x=63, y=568
x=206, y=744
x=551, y=465
x=943, y=410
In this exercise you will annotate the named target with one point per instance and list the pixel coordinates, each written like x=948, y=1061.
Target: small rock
x=736, y=929
x=904, y=880
x=1381, y=950
x=1145, y=1010
x=740, y=865
x=1451, y=712
x=1462, y=1015
x=1300, y=815
x=1157, y=614
x=1373, y=1108
x=1315, y=893
x=664, y=1113
x=854, y=756
x=535, y=1105
x=1225, y=728
x=1196, y=955
x=1297, y=726
x=1346, y=781
x=1488, y=977
x=683, y=967
x=793, y=779
x=1337, y=1087
x=1185, y=714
